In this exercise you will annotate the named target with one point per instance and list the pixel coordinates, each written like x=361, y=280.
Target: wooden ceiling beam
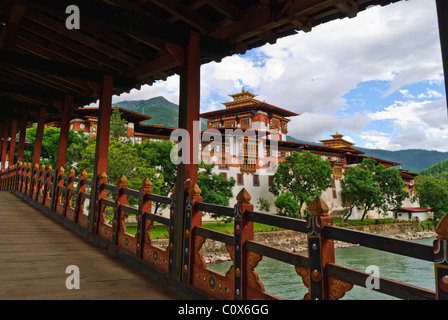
x=59, y=27
x=69, y=49
x=122, y=21
x=68, y=71
x=183, y=13
x=349, y=8
x=38, y=92
x=12, y=104
x=8, y=35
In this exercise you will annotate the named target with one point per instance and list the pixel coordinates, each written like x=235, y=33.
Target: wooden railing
x=66, y=195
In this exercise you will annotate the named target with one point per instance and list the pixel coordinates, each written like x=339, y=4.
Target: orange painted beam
x=5, y=142
x=39, y=136
x=102, y=146
x=65, y=128
x=22, y=136
x=12, y=145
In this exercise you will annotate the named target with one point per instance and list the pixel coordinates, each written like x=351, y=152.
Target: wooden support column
x=187, y=173
x=442, y=14
x=5, y=142
x=39, y=136
x=102, y=146
x=65, y=128
x=12, y=145
x=63, y=141
x=4, y=132
x=22, y=136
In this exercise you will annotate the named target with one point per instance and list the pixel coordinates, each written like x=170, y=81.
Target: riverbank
x=215, y=252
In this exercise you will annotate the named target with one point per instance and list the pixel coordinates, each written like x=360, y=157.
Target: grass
x=160, y=232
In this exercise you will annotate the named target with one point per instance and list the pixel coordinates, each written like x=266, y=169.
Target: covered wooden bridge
x=50, y=65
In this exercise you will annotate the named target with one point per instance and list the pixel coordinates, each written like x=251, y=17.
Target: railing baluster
x=243, y=231
x=119, y=222
x=144, y=205
x=441, y=259
x=193, y=218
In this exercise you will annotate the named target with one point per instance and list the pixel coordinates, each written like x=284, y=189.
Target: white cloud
x=310, y=73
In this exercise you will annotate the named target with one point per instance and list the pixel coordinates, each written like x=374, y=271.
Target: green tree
x=156, y=154
x=77, y=142
x=118, y=127
x=264, y=204
x=360, y=191
x=432, y=192
x=370, y=185
x=287, y=205
x=304, y=175
x=215, y=188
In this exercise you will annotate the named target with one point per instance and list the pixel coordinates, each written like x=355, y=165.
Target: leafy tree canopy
x=304, y=174
x=432, y=192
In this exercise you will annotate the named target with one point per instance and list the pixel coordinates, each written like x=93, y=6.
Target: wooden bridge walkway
x=35, y=251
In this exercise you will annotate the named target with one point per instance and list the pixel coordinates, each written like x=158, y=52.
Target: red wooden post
x=441, y=259
x=101, y=148
x=12, y=145
x=40, y=184
x=243, y=231
x=22, y=136
x=321, y=252
x=187, y=173
x=39, y=135
x=33, y=184
x=57, y=195
x=121, y=199
x=47, y=189
x=143, y=224
x=65, y=128
x=193, y=218
x=19, y=177
x=27, y=178
x=69, y=196
x=102, y=194
x=82, y=188
x=5, y=142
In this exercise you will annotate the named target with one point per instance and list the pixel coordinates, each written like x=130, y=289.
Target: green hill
x=439, y=170
x=163, y=112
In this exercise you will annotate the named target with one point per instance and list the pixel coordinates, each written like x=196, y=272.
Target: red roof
x=412, y=209
x=252, y=107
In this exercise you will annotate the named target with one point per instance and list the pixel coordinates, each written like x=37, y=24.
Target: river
x=281, y=279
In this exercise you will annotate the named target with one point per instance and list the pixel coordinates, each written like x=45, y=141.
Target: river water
x=281, y=279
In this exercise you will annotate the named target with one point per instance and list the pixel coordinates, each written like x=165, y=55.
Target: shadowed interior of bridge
x=35, y=251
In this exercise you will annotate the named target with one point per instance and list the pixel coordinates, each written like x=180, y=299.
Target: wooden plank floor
x=35, y=251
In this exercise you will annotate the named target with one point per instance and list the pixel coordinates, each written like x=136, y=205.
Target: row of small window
x=255, y=179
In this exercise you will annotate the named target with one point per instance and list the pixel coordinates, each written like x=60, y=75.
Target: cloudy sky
x=377, y=79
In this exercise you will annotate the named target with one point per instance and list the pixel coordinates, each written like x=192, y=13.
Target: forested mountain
x=439, y=170
x=163, y=112
x=166, y=113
